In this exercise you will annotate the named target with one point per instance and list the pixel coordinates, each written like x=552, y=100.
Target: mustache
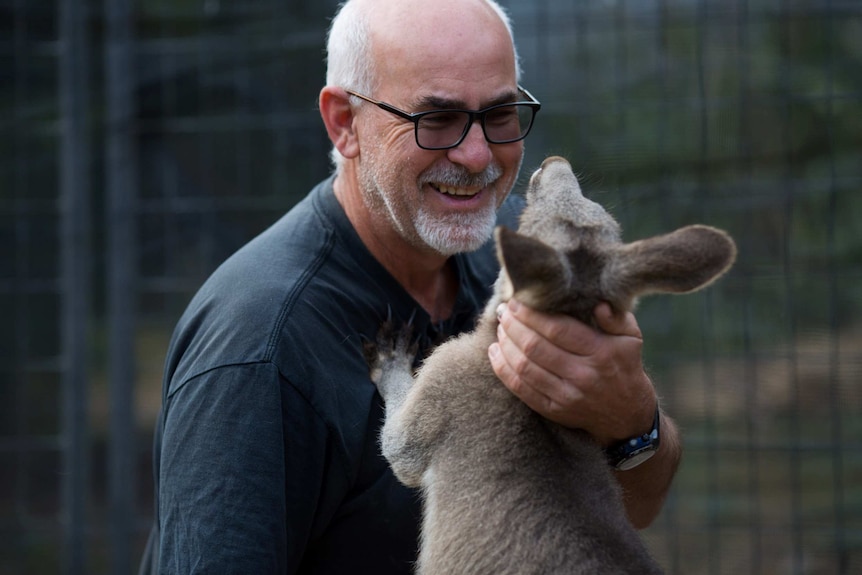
x=460, y=177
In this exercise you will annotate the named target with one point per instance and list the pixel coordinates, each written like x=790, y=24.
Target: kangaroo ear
x=682, y=261
x=534, y=269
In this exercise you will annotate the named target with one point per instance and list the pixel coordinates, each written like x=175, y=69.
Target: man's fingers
x=528, y=386
x=531, y=355
x=564, y=332
x=616, y=323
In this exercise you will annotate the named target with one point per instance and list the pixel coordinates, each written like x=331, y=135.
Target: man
x=266, y=449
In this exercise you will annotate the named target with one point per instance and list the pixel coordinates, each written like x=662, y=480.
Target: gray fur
x=505, y=490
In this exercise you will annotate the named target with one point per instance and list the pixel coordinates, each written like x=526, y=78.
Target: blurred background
x=142, y=142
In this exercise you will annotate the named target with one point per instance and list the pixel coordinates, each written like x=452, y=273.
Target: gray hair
x=348, y=54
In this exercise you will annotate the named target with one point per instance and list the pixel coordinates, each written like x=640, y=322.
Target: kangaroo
x=505, y=490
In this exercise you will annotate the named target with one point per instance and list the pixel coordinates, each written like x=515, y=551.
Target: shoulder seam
x=212, y=368
x=301, y=283
x=286, y=381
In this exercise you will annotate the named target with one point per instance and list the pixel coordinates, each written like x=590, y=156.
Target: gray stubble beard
x=447, y=235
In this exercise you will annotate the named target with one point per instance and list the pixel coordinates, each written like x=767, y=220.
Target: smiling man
x=414, y=207
x=266, y=447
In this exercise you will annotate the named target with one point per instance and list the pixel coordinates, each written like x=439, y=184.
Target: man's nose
x=474, y=153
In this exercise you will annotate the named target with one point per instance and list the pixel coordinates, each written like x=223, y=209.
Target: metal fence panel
x=146, y=141
x=75, y=281
x=121, y=187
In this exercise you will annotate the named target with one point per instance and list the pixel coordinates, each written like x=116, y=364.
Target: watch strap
x=635, y=450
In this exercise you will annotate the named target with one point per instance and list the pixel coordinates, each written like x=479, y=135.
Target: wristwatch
x=632, y=452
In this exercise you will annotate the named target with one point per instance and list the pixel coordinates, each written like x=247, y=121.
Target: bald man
x=266, y=454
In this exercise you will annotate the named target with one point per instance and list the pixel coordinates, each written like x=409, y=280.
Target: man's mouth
x=455, y=192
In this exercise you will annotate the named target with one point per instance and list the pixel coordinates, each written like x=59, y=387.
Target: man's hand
x=593, y=380
x=575, y=375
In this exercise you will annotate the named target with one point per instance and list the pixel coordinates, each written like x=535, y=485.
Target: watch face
x=636, y=458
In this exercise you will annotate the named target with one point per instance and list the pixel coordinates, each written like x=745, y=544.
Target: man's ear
x=338, y=117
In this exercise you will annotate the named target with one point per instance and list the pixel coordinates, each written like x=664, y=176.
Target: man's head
x=348, y=49
x=418, y=56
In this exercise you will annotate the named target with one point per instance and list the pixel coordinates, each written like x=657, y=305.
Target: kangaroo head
x=568, y=254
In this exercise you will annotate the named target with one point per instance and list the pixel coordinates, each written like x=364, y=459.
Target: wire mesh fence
x=143, y=142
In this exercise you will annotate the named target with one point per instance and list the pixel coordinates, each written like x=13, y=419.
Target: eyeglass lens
x=447, y=128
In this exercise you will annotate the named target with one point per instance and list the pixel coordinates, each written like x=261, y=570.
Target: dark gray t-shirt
x=266, y=453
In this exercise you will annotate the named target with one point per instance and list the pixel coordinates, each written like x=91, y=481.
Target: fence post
x=121, y=194
x=75, y=273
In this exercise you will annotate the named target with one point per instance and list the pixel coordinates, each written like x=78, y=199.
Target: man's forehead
x=434, y=57
x=429, y=27
x=406, y=11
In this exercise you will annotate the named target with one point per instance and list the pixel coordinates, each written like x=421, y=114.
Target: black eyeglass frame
x=414, y=117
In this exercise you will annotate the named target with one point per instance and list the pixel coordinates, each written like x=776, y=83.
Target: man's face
x=445, y=200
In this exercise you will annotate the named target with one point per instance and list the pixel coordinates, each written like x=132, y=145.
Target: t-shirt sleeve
x=239, y=474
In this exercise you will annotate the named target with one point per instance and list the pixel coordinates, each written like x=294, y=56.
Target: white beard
x=456, y=233
x=446, y=234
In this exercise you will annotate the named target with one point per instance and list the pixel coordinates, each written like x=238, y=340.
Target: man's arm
x=593, y=380
x=226, y=489
x=645, y=487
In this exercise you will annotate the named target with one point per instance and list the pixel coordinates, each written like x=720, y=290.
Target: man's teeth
x=456, y=191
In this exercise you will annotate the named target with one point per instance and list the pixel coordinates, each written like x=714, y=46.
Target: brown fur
x=507, y=491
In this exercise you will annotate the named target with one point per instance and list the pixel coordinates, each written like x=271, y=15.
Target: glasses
x=444, y=129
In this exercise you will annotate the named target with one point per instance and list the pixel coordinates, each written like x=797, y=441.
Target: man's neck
x=430, y=278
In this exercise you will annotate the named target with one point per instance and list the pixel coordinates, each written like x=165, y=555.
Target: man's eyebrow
x=432, y=102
